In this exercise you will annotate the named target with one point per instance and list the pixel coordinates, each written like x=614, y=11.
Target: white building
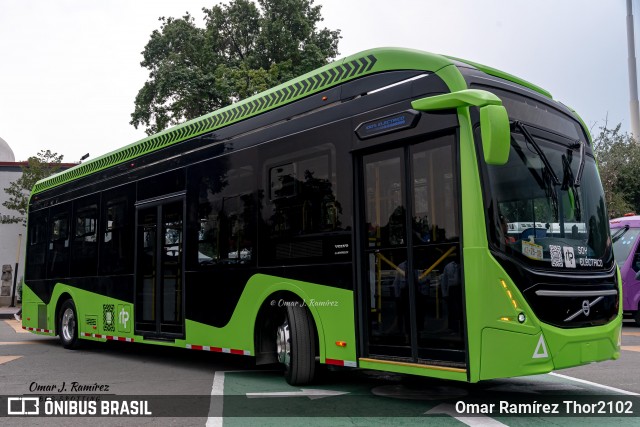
x=12, y=236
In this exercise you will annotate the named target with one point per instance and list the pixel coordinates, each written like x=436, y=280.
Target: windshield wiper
x=581, y=167
x=534, y=144
x=618, y=234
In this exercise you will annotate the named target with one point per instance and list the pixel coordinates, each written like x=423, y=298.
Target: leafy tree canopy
x=40, y=166
x=618, y=156
x=244, y=48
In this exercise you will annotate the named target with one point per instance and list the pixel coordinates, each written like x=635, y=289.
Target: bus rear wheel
x=295, y=345
x=68, y=325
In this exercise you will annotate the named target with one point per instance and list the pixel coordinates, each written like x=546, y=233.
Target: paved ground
x=201, y=388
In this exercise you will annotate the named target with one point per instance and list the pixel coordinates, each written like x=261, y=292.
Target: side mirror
x=496, y=134
x=494, y=121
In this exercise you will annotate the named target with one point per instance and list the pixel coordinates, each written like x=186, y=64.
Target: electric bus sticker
x=124, y=318
x=531, y=250
x=556, y=256
x=569, y=257
x=108, y=315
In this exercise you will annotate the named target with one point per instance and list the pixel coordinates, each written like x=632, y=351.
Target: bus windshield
x=547, y=205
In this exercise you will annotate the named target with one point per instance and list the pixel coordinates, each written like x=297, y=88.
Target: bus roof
x=338, y=72
x=631, y=221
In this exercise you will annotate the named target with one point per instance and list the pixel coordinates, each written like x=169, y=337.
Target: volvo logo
x=586, y=308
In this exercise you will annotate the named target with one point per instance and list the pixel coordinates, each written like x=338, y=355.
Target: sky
x=70, y=69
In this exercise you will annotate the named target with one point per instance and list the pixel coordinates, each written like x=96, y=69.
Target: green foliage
x=243, y=49
x=40, y=166
x=618, y=156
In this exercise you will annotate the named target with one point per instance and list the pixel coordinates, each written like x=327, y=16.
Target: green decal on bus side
x=332, y=309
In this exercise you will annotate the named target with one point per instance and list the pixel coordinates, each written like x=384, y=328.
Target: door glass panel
x=385, y=210
x=172, y=268
x=147, y=269
x=436, y=257
x=388, y=311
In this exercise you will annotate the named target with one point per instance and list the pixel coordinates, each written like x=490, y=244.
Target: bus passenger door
x=159, y=303
x=410, y=283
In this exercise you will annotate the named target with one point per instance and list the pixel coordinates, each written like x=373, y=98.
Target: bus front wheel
x=68, y=325
x=295, y=344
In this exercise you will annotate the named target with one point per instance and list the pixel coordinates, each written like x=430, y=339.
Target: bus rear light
x=341, y=343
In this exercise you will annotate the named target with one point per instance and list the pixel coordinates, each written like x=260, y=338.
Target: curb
x=7, y=313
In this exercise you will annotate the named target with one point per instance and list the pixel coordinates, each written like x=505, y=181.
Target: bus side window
x=116, y=232
x=84, y=248
x=302, y=197
x=37, y=245
x=59, y=244
x=226, y=212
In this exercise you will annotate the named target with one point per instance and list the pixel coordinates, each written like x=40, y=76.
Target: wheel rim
x=283, y=341
x=68, y=324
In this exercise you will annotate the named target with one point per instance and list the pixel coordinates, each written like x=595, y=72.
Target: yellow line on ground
x=631, y=347
x=632, y=334
x=17, y=326
x=5, y=359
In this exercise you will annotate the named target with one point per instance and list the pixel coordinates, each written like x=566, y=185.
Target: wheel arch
x=269, y=315
x=64, y=296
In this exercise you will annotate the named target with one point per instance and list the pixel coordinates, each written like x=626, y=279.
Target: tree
x=618, y=156
x=38, y=167
x=243, y=49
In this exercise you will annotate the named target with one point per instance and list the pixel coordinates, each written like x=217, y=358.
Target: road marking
x=606, y=387
x=6, y=359
x=215, y=404
x=312, y=394
x=631, y=347
x=632, y=334
x=535, y=388
x=474, y=421
x=17, y=326
x=21, y=342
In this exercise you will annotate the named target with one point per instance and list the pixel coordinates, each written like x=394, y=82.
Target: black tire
x=296, y=346
x=637, y=316
x=68, y=325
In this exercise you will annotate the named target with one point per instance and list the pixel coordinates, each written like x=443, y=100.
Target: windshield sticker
x=590, y=262
x=569, y=257
x=531, y=250
x=556, y=256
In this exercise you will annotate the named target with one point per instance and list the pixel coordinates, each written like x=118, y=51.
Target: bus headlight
x=522, y=318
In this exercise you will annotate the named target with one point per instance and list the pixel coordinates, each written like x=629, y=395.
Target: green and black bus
x=358, y=215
